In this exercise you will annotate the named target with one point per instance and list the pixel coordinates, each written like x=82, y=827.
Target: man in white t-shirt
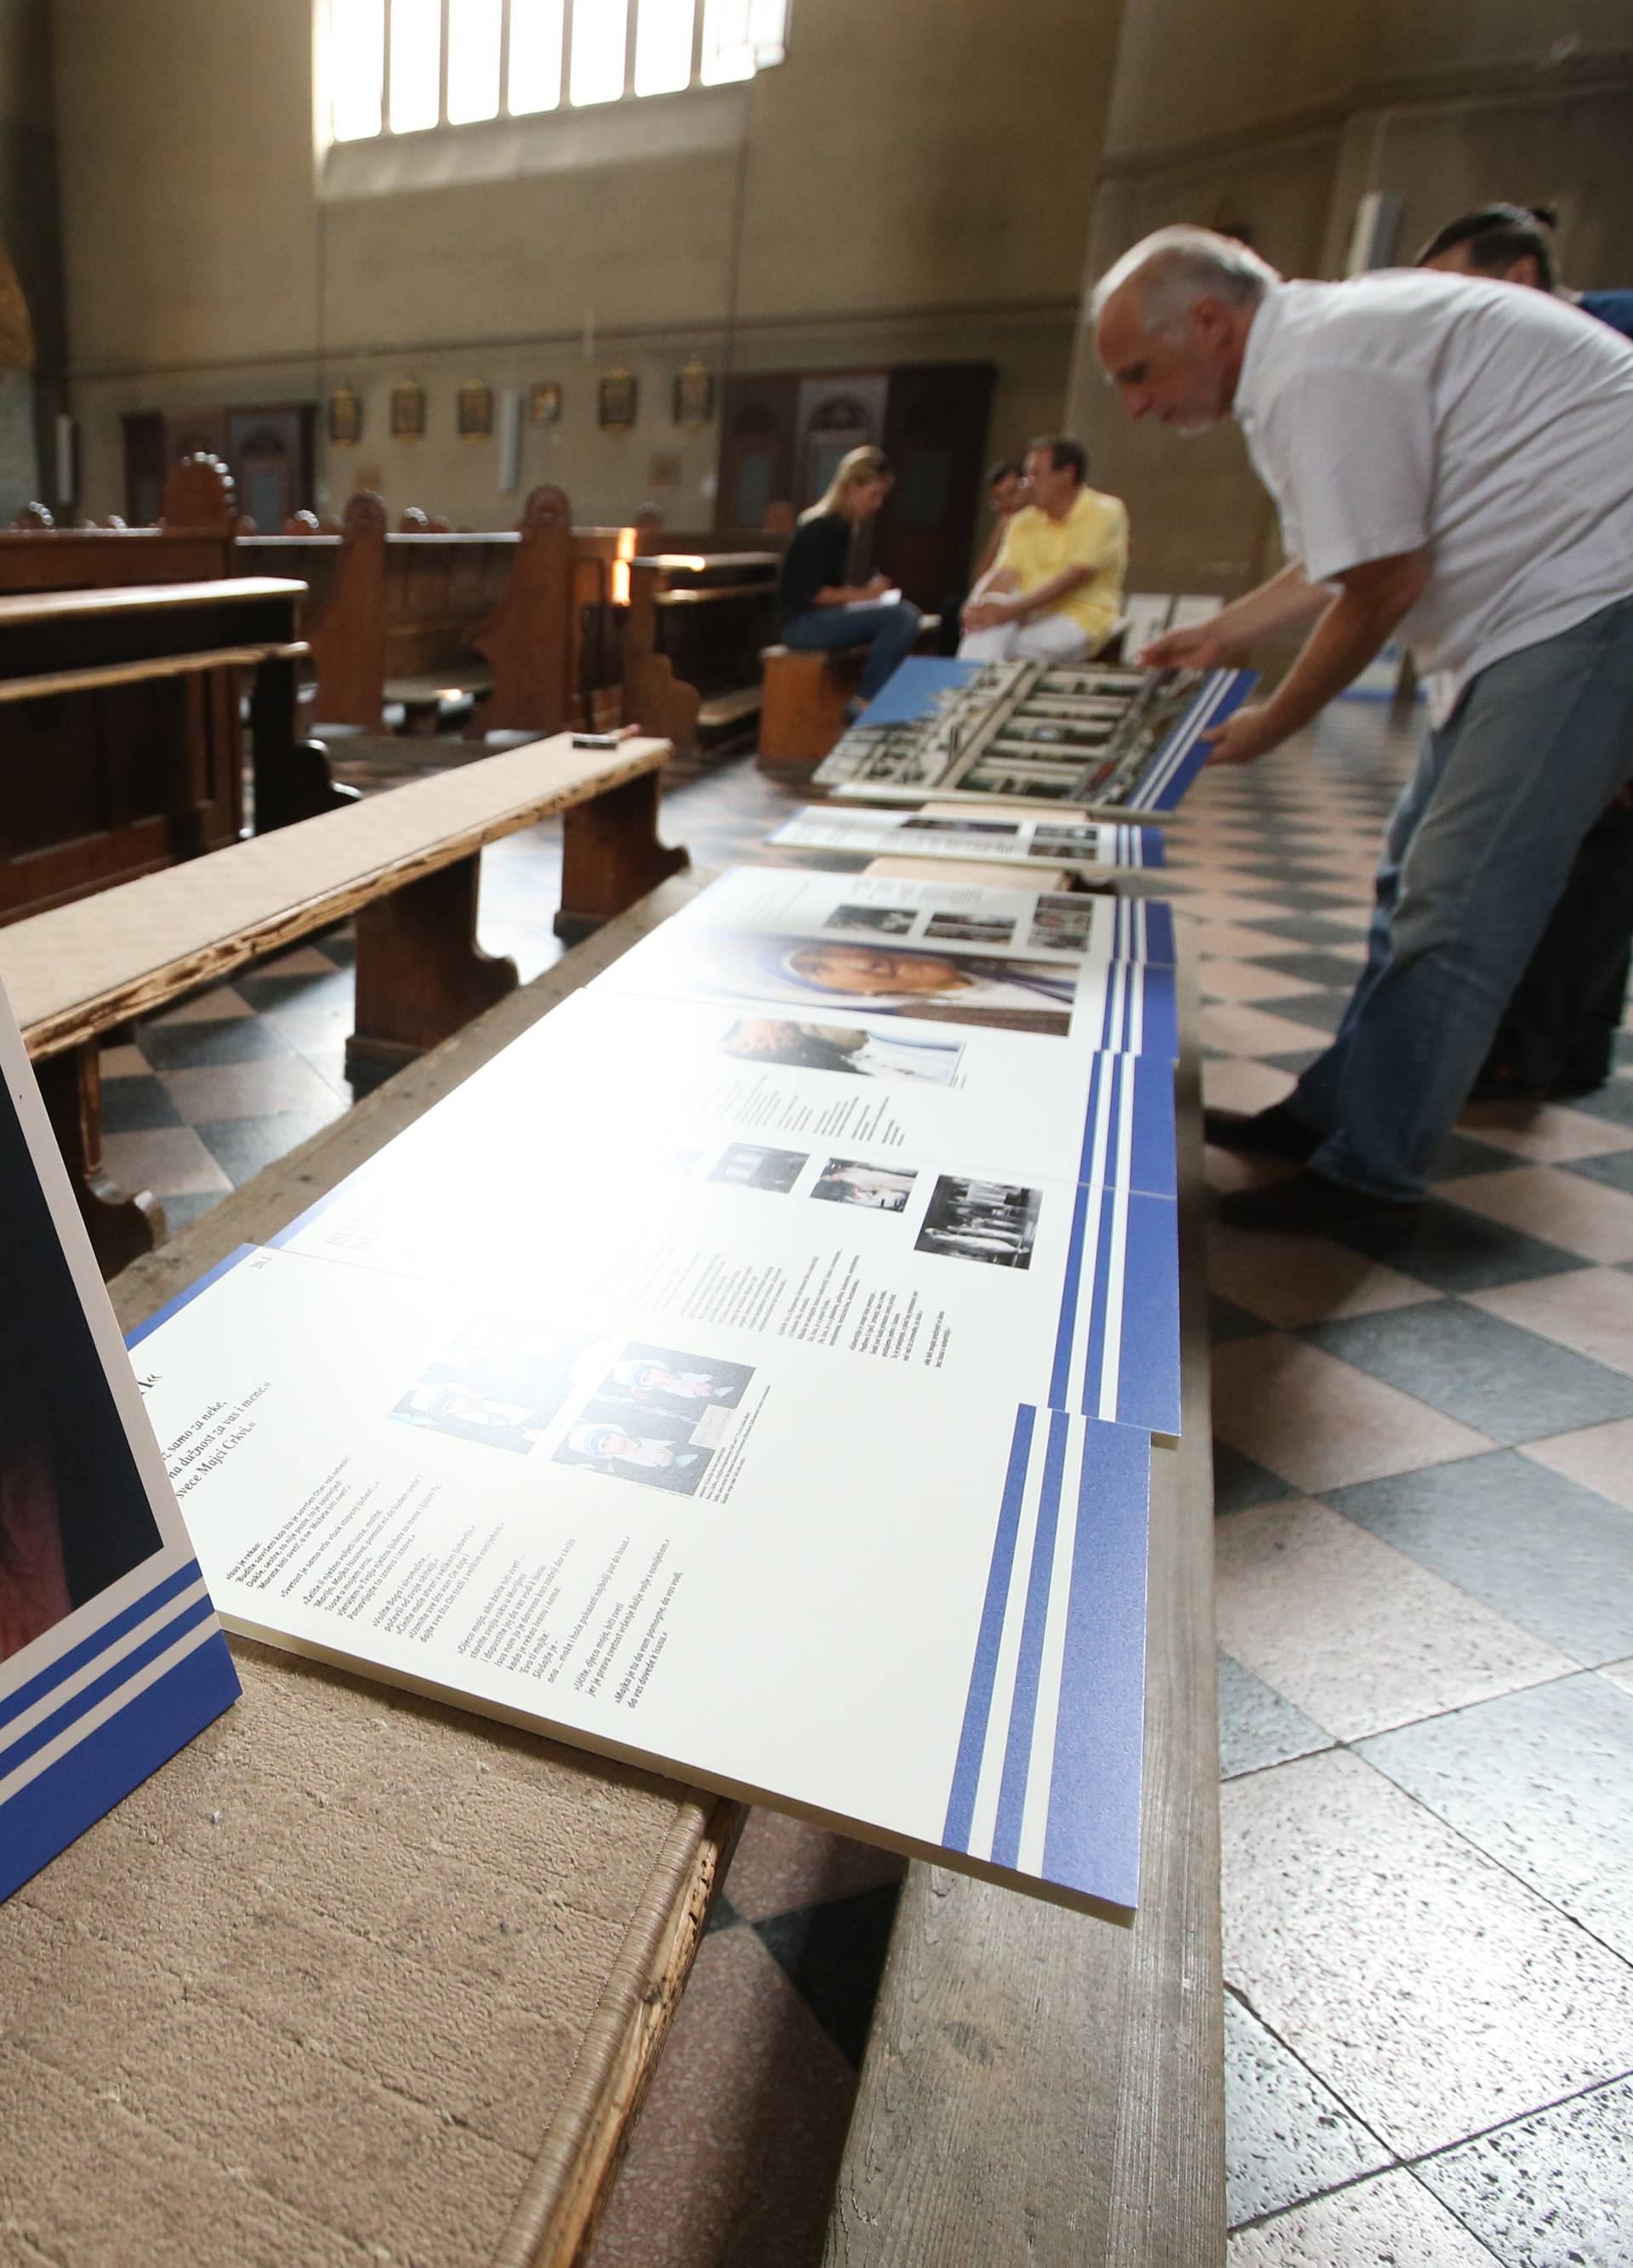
x=1452, y=462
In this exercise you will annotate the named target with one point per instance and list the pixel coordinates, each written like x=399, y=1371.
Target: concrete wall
x=878, y=197
x=1274, y=118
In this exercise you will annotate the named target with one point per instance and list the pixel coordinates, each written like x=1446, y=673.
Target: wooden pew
x=376, y=1977
x=123, y=732
x=405, y=864
x=716, y=611
x=1039, y=2086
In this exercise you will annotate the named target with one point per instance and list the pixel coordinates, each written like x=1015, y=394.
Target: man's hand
x=988, y=614
x=875, y=587
x=1198, y=647
x=1241, y=738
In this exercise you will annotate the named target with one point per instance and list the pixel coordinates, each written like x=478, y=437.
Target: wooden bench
x=716, y=609
x=122, y=732
x=804, y=695
x=1041, y=2090
x=355, y=1974
x=405, y=864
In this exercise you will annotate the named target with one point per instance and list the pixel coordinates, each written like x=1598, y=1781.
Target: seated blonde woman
x=819, y=610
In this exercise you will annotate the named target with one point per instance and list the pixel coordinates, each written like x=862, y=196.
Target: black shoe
x=1273, y=1133
x=1306, y=1204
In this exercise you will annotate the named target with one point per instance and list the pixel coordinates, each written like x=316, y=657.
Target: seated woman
x=819, y=610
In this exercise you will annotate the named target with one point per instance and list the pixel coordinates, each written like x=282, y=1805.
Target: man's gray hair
x=1174, y=268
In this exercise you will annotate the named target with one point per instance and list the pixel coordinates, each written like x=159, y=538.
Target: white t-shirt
x=1491, y=423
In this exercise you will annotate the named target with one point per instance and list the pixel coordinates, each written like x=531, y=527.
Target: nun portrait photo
x=887, y=980
x=844, y=1047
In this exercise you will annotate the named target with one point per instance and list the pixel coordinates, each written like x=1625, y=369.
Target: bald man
x=1450, y=461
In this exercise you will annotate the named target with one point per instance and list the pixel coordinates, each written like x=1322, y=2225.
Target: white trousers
x=1051, y=637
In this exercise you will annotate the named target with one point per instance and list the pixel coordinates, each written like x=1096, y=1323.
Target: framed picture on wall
x=617, y=399
x=345, y=418
x=694, y=394
x=474, y=410
x=544, y=402
x=408, y=411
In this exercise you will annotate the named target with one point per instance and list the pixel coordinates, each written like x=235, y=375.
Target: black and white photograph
x=1062, y=924
x=971, y=930
x=994, y=1221
x=656, y=1418
x=885, y=921
x=853, y=1181
x=501, y=1389
x=932, y=986
x=747, y=1166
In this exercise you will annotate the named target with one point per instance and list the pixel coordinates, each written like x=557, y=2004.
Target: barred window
x=404, y=66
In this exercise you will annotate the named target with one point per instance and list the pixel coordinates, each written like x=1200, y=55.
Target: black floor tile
x=1226, y=1321
x=313, y=991
x=1238, y=1482
x=1448, y=1247
x=1614, y=1102
x=181, y=1211
x=1462, y=1154
x=833, y=1955
x=1297, y=1060
x=1325, y=1011
x=131, y=1106
x=1259, y=1725
x=1306, y=929
x=1510, y=1384
x=1334, y=970
x=722, y=1915
x=242, y=1147
x=226, y=1040
x=1552, y=1556
x=1616, y=1170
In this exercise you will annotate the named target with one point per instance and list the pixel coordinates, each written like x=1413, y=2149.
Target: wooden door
x=756, y=465
x=935, y=436
x=270, y=455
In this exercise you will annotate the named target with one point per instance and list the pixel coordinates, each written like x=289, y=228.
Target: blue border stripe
x=1150, y=852
x=1100, y=1067
x=1171, y=775
x=1093, y=1353
x=184, y=1299
x=1147, y=1384
x=31, y=1743
x=1028, y=1667
x=1092, y=1841
x=95, y=1642
x=1154, y=1164
x=983, y=1668
x=1159, y=1001
x=71, y=1794
x=1160, y=944
x=1060, y=1374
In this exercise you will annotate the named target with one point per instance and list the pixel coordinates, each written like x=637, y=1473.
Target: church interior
x=390, y=386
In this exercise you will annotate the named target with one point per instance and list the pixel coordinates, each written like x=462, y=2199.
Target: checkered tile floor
x=1424, y=1464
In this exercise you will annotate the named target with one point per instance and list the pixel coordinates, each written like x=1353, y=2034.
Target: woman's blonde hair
x=864, y=464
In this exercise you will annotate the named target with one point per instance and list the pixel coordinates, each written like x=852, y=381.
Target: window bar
x=504, y=85
x=697, y=44
x=632, y=11
x=442, y=67
x=385, y=69
x=565, y=101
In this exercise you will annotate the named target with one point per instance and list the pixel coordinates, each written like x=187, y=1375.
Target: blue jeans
x=1476, y=855
x=888, y=633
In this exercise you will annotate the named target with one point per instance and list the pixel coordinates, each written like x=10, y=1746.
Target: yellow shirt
x=1094, y=533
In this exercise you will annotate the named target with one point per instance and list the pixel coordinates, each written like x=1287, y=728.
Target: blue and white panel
x=1047, y=1778
x=1139, y=1015
x=1143, y=930
x=1183, y=754
x=1117, y=1340
x=1139, y=846
x=1128, y=1125
x=94, y=1723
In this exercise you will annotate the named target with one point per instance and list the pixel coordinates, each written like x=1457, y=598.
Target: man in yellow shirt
x=1057, y=588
